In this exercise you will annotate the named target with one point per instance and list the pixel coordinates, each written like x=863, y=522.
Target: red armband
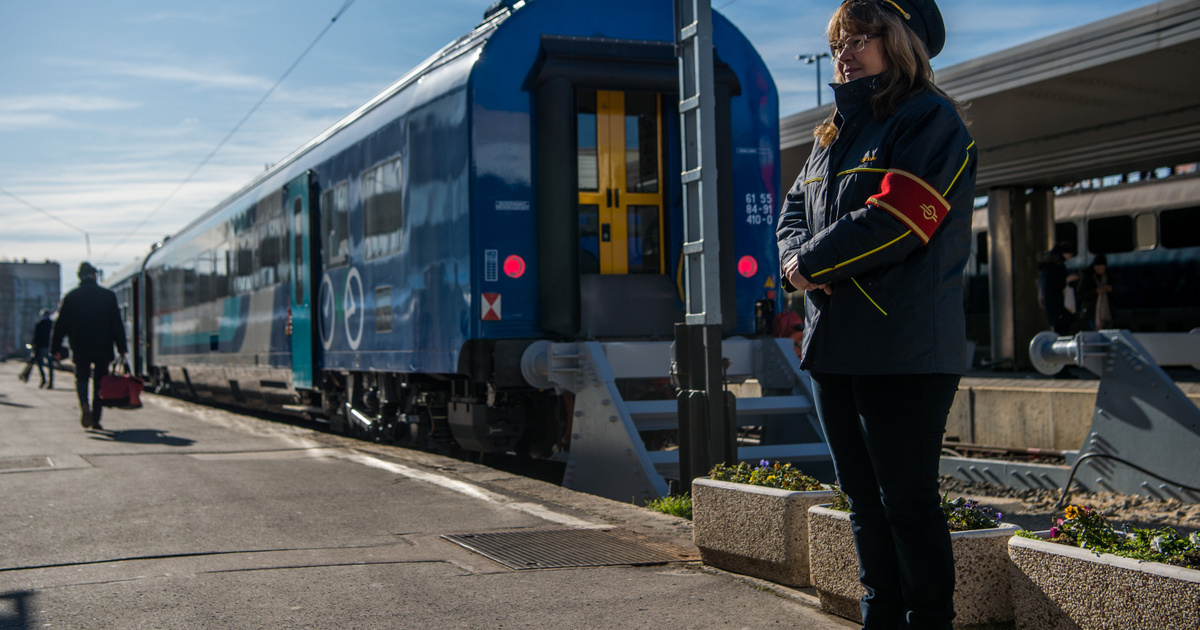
x=912, y=201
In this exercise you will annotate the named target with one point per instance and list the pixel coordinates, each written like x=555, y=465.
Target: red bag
x=123, y=391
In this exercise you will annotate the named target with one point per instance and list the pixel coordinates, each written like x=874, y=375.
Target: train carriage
x=1148, y=230
x=522, y=184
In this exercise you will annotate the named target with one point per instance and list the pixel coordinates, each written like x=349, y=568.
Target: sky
x=109, y=109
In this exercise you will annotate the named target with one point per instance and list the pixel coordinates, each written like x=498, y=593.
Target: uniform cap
x=924, y=18
x=86, y=269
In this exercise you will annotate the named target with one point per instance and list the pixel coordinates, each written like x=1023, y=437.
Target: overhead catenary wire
x=228, y=136
x=87, y=240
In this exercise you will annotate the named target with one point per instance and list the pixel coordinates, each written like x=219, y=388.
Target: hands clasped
x=792, y=273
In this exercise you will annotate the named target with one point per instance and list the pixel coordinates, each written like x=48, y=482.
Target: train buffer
x=1145, y=432
x=609, y=454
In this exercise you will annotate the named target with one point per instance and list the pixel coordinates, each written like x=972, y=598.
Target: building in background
x=25, y=289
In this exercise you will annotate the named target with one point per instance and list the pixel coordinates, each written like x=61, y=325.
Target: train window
x=272, y=264
x=641, y=142
x=1180, y=228
x=382, y=209
x=189, y=283
x=335, y=224
x=589, y=238
x=222, y=258
x=587, y=151
x=206, y=270
x=1144, y=233
x=243, y=273
x=642, y=228
x=1110, y=235
x=1066, y=232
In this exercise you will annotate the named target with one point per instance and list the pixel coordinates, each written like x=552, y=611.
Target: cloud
x=160, y=71
x=62, y=102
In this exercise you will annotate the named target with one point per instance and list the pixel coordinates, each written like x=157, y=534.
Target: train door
x=620, y=169
x=300, y=302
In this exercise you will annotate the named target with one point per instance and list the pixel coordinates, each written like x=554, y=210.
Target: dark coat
x=90, y=318
x=1052, y=282
x=883, y=215
x=41, y=333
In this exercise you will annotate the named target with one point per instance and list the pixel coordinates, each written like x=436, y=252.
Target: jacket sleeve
x=931, y=151
x=65, y=313
x=792, y=230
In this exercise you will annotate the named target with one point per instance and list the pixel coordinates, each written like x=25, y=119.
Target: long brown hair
x=908, y=70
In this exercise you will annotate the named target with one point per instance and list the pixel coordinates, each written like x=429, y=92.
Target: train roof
x=1125, y=199
x=1146, y=196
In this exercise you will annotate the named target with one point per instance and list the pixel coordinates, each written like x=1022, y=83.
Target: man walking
x=41, y=348
x=90, y=318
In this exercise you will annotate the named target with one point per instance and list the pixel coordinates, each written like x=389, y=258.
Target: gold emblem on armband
x=930, y=212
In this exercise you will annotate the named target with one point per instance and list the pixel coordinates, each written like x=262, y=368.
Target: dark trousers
x=44, y=362
x=93, y=369
x=885, y=434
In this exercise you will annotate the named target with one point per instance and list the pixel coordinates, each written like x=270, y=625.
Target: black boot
x=86, y=418
x=96, y=409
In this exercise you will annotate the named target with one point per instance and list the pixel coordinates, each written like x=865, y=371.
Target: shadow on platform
x=142, y=436
x=16, y=610
x=12, y=404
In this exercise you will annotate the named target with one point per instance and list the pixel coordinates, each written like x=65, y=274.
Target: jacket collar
x=854, y=96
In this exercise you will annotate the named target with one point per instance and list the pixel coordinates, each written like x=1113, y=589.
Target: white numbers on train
x=760, y=209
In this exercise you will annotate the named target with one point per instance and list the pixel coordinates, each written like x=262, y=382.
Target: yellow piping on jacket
x=864, y=292
x=864, y=255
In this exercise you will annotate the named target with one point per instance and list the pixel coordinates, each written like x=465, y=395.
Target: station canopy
x=1115, y=96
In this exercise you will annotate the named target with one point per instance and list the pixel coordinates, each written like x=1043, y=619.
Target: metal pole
x=706, y=426
x=815, y=59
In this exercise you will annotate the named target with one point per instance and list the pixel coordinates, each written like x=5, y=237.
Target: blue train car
x=521, y=184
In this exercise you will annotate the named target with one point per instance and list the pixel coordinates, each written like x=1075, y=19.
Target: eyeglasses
x=854, y=44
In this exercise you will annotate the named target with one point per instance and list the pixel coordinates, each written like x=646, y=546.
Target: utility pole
x=707, y=414
x=817, y=60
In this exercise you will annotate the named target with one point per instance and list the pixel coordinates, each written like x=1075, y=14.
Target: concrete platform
x=181, y=516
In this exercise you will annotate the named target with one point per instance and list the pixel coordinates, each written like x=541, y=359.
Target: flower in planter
x=966, y=514
x=1084, y=527
x=962, y=514
x=778, y=475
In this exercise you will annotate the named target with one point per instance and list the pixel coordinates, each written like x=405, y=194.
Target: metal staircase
x=608, y=456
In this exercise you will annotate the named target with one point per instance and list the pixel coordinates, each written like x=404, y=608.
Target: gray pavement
x=182, y=516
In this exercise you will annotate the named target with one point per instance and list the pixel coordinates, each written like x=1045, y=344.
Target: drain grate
x=30, y=462
x=560, y=548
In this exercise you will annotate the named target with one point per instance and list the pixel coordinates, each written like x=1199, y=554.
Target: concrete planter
x=1060, y=587
x=982, y=584
x=754, y=530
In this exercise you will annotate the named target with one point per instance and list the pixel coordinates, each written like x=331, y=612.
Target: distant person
x=41, y=348
x=877, y=231
x=1052, y=285
x=1095, y=295
x=90, y=318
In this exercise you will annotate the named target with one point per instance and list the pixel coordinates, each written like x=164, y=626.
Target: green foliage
x=777, y=475
x=961, y=514
x=676, y=505
x=1084, y=527
x=841, y=502
x=966, y=514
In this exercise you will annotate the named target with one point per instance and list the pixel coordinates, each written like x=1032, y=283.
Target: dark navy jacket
x=91, y=319
x=883, y=215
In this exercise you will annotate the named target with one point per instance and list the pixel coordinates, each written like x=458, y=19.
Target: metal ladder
x=608, y=456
